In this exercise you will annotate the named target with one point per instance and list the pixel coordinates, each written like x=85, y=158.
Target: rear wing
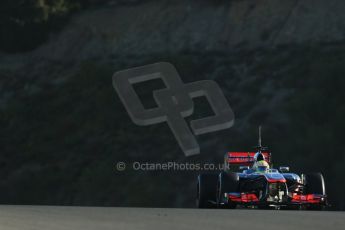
x=244, y=158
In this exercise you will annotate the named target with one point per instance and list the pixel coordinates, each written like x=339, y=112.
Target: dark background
x=280, y=64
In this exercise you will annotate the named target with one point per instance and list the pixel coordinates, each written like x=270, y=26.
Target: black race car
x=262, y=188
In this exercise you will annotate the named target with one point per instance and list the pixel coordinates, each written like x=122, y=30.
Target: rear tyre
x=314, y=184
x=227, y=182
x=206, y=190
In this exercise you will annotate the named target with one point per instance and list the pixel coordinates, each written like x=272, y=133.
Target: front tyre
x=206, y=190
x=227, y=182
x=314, y=183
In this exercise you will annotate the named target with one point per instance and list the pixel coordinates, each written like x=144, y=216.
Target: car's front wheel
x=227, y=182
x=206, y=190
x=314, y=183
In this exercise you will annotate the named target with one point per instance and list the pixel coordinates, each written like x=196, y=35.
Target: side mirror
x=284, y=169
x=244, y=167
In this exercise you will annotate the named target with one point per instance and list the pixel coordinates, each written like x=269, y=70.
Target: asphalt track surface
x=87, y=218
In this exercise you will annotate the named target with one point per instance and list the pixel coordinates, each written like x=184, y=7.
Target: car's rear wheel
x=314, y=183
x=227, y=182
x=206, y=190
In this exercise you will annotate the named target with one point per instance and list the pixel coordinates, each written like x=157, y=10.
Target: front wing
x=296, y=199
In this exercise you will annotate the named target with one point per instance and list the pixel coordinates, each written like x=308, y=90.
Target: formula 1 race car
x=264, y=188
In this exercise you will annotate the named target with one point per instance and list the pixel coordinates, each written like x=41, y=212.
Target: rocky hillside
x=179, y=26
x=63, y=128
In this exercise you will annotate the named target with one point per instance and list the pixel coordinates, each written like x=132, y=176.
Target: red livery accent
x=235, y=198
x=309, y=198
x=243, y=197
x=249, y=197
x=245, y=158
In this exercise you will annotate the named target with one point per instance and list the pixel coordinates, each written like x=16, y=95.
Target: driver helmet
x=259, y=157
